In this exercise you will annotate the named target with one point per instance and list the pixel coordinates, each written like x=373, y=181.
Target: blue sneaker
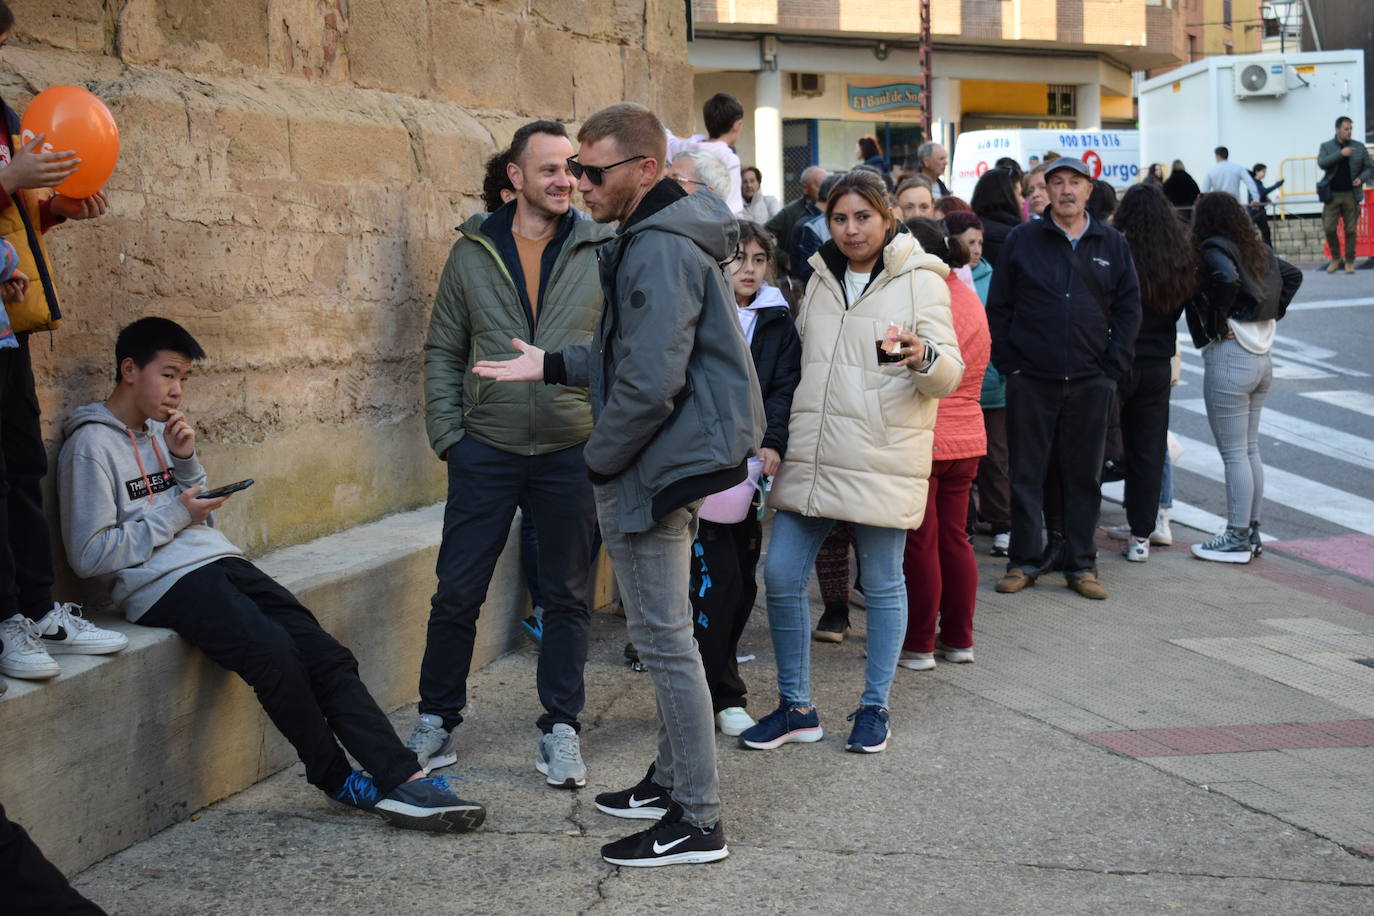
x=430, y=804
x=534, y=626
x=359, y=791
x=871, y=730
x=781, y=726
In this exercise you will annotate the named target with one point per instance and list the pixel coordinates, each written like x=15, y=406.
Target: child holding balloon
x=32, y=625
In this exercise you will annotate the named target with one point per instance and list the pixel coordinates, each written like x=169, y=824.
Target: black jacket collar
x=1049, y=225
x=499, y=225
x=837, y=263
x=666, y=192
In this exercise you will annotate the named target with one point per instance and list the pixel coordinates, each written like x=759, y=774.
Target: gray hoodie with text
x=122, y=523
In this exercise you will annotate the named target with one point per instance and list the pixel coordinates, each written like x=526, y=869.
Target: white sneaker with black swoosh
x=672, y=841
x=646, y=801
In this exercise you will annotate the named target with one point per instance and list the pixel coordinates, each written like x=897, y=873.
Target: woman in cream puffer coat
x=859, y=446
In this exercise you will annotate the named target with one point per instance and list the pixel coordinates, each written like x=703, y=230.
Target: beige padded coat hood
x=861, y=433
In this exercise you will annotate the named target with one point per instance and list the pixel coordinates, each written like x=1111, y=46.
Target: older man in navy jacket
x=1064, y=308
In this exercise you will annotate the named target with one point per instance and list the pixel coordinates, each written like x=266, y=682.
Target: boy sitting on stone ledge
x=131, y=517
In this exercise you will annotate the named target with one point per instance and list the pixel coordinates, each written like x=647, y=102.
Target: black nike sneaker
x=646, y=801
x=672, y=841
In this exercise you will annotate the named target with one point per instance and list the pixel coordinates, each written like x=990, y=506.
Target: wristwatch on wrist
x=927, y=359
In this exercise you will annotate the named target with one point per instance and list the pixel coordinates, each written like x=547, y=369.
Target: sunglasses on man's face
x=595, y=173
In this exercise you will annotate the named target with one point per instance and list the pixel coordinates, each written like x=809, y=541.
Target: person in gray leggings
x=1245, y=290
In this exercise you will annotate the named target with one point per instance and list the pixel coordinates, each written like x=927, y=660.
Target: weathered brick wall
x=291, y=175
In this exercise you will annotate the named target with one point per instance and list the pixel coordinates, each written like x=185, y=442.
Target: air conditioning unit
x=1267, y=78
x=807, y=85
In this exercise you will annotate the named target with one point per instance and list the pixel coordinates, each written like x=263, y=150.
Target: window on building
x=1060, y=102
x=1226, y=11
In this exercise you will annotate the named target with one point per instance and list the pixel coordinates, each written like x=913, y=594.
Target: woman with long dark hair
x=997, y=201
x=1245, y=289
x=878, y=350
x=940, y=569
x=1166, y=266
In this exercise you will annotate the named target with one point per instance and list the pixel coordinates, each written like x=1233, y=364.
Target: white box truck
x=1113, y=155
x=1270, y=108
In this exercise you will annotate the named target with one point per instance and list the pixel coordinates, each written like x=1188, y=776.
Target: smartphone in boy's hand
x=226, y=490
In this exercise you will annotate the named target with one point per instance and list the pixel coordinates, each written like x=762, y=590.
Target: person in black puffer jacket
x=1166, y=268
x=1246, y=288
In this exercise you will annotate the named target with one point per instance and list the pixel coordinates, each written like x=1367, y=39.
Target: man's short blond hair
x=636, y=130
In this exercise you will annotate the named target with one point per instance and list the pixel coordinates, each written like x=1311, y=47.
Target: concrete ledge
x=119, y=747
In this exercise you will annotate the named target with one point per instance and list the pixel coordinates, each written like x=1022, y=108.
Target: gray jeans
x=1234, y=388
x=652, y=569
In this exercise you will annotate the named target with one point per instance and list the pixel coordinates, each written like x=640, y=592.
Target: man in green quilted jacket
x=528, y=270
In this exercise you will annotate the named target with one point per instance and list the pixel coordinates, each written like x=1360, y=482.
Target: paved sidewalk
x=1202, y=742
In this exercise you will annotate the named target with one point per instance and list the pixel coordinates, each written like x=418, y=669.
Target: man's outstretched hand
x=527, y=367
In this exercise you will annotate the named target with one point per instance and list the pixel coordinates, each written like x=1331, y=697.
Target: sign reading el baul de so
x=884, y=98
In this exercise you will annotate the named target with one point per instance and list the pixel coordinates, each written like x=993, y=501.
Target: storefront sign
x=893, y=96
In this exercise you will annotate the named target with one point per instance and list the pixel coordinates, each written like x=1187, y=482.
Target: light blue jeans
x=1234, y=386
x=791, y=554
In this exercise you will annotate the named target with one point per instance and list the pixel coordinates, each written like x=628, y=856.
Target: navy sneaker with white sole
x=782, y=726
x=871, y=730
x=647, y=800
x=430, y=804
x=672, y=841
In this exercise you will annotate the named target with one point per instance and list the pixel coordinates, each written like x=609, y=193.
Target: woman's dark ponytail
x=933, y=239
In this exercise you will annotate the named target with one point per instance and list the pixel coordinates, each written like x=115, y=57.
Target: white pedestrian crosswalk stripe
x=1358, y=401
x=1288, y=349
x=1314, y=437
x=1331, y=304
x=1287, y=489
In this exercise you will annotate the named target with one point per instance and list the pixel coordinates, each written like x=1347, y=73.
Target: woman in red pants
x=941, y=572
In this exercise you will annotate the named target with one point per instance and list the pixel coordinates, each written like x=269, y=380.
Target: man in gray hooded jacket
x=677, y=413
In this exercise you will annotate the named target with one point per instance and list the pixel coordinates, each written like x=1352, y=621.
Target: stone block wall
x=291, y=175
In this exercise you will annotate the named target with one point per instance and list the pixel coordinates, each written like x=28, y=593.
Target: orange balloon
x=70, y=117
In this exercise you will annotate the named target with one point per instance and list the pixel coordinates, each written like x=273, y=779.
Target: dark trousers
x=1144, y=435
x=25, y=556
x=994, y=488
x=305, y=680
x=485, y=486
x=723, y=589
x=1056, y=425
x=32, y=885
x=1261, y=218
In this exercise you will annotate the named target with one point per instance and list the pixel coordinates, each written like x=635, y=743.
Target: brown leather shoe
x=1334, y=266
x=1015, y=580
x=1086, y=584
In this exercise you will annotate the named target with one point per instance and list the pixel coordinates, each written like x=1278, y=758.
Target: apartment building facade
x=814, y=75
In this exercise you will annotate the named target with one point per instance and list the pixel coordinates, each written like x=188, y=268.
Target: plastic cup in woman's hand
x=889, y=347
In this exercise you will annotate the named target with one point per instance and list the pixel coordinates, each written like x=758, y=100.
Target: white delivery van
x=1113, y=155
x=1270, y=108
